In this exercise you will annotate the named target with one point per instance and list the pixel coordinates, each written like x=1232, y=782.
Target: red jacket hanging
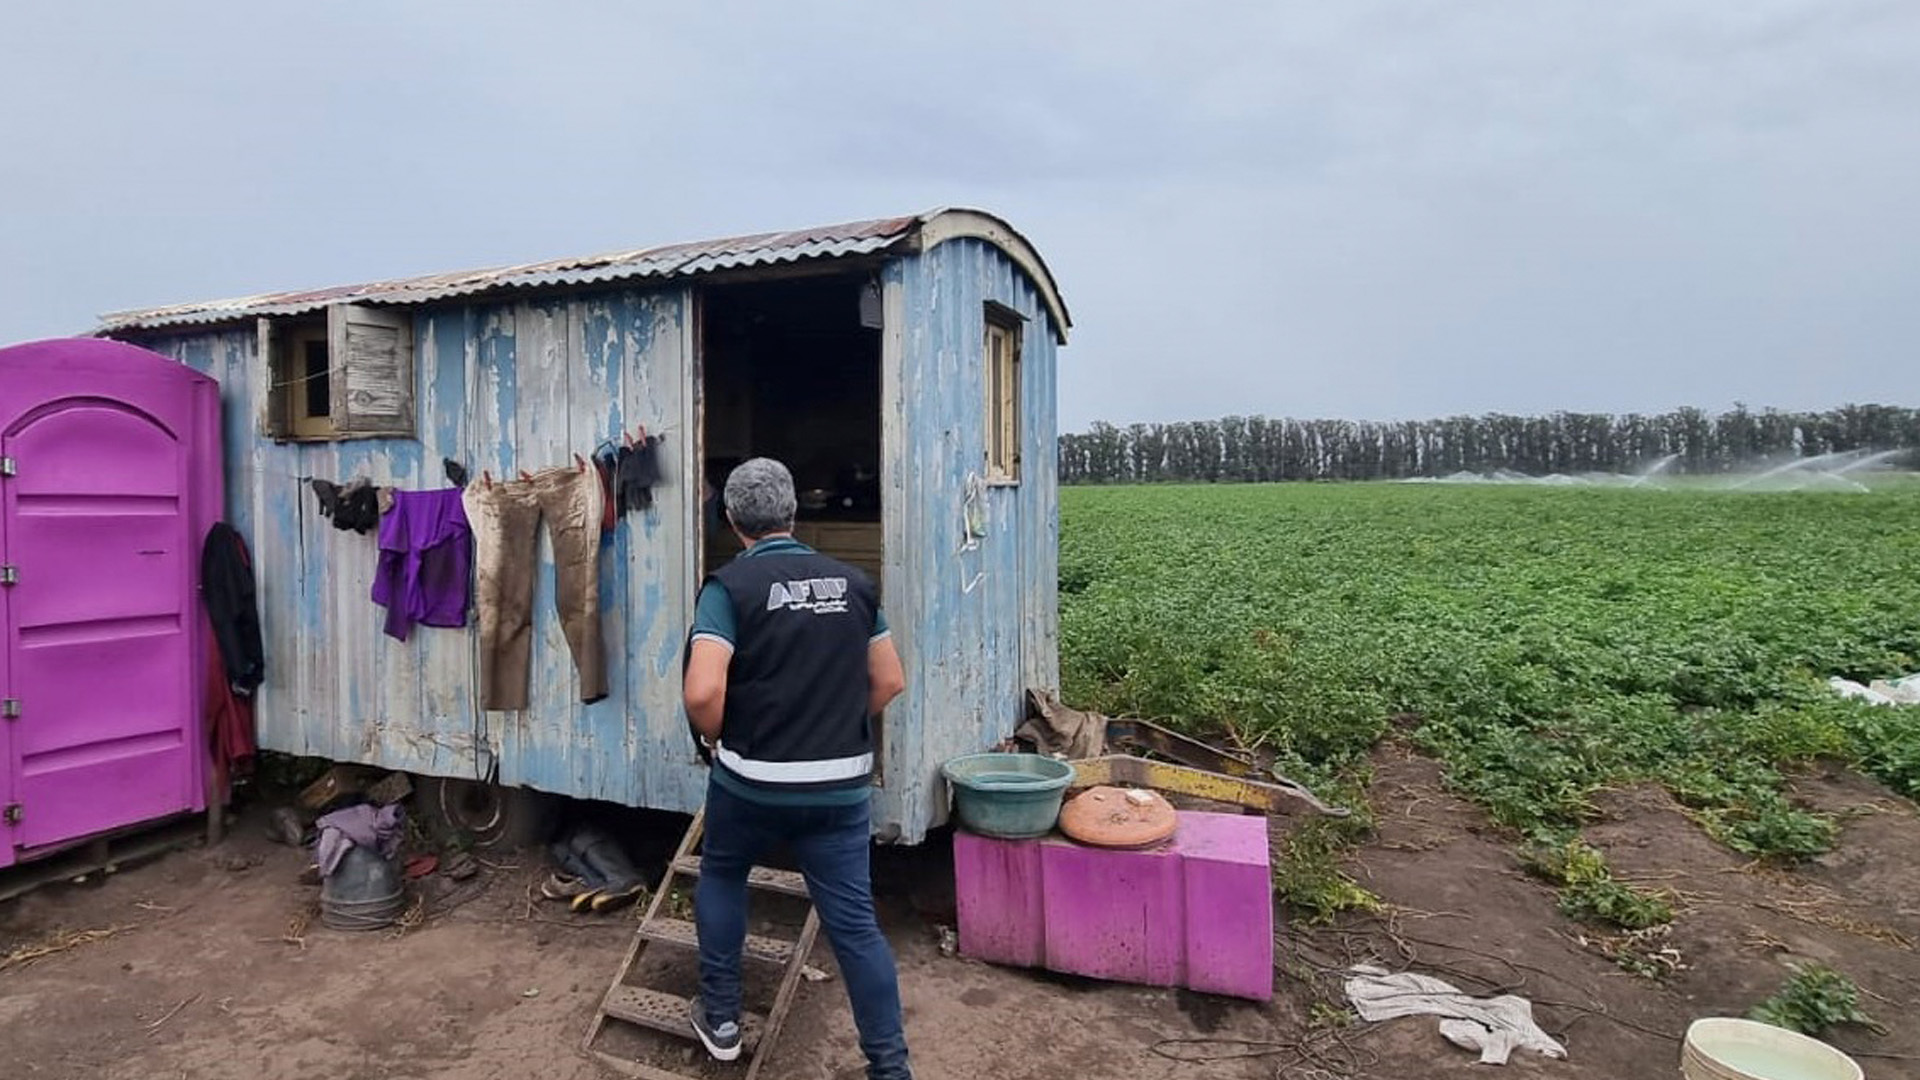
x=230, y=733
x=236, y=657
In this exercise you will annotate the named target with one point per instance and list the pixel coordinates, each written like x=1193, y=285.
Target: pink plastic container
x=1196, y=912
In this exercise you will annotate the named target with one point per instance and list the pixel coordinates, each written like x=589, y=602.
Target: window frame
x=1005, y=399
x=292, y=375
x=282, y=345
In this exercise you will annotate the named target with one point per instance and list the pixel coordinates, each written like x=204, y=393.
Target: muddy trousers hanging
x=505, y=518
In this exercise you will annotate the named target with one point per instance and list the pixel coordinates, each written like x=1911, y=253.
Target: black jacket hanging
x=227, y=587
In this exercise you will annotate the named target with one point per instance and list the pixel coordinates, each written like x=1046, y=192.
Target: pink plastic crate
x=1196, y=912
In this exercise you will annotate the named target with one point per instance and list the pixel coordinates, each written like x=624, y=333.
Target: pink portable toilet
x=109, y=480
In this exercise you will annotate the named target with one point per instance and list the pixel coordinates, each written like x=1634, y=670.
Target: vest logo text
x=821, y=596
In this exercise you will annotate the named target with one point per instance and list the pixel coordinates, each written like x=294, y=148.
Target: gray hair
x=759, y=497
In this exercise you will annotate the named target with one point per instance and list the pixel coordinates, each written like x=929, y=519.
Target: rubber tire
x=493, y=815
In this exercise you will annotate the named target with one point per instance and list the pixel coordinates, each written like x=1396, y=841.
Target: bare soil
x=1469, y=913
x=205, y=980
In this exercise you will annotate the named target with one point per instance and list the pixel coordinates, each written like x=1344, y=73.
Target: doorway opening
x=791, y=370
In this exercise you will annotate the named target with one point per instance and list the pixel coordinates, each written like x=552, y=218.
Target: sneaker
x=562, y=887
x=721, y=1040
x=618, y=896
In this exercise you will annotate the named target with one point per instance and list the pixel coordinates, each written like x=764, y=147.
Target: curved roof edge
x=877, y=237
x=958, y=222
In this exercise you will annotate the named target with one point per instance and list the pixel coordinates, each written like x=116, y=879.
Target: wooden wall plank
x=659, y=568
x=600, y=741
x=543, y=352
x=901, y=558
x=493, y=390
x=442, y=733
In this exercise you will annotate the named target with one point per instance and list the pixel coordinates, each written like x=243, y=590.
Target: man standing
x=788, y=663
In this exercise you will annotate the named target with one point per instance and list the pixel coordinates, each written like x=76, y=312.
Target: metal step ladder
x=666, y=1013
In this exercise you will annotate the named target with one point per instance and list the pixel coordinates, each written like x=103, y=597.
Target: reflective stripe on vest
x=796, y=772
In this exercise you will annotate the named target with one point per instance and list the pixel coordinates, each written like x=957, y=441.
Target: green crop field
x=1541, y=642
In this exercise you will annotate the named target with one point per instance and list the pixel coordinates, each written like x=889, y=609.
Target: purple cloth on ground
x=426, y=561
x=375, y=827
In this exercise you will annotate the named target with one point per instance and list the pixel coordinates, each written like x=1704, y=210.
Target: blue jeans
x=831, y=845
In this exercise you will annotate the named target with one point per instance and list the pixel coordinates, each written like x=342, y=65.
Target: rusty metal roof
x=674, y=260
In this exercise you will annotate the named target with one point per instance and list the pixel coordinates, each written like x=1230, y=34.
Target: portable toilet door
x=109, y=478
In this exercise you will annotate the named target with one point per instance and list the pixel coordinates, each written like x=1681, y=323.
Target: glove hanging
x=637, y=471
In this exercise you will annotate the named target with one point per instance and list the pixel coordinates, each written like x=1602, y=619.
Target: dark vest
x=797, y=687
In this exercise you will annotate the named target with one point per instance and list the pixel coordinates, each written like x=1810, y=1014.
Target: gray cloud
x=1364, y=209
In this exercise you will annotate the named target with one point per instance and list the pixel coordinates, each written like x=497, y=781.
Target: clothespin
x=486, y=477
x=525, y=475
x=580, y=461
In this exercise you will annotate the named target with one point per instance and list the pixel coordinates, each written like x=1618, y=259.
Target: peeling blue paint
x=510, y=386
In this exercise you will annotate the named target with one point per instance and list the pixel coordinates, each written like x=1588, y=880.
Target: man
x=788, y=663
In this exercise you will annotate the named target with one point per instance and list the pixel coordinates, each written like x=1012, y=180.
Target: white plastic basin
x=1722, y=1048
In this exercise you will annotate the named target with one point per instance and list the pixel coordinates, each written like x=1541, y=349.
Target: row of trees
x=1256, y=448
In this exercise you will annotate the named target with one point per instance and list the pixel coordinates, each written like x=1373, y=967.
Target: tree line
x=1258, y=448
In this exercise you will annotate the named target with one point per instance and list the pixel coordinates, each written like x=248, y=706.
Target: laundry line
x=249, y=468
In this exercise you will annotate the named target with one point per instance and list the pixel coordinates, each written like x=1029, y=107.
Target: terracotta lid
x=1118, y=818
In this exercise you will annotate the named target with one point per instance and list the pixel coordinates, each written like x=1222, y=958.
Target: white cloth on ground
x=1492, y=1026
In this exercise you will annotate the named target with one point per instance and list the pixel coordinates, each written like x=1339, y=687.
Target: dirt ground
x=1471, y=915
x=203, y=979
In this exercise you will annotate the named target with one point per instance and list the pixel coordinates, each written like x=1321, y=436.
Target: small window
x=1003, y=395
x=311, y=401
x=347, y=376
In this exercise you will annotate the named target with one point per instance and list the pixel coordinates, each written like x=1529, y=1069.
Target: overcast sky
x=1366, y=210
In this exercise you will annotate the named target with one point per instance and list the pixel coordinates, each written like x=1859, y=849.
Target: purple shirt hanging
x=426, y=561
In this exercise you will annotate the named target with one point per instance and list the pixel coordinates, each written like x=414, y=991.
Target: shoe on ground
x=721, y=1040
x=617, y=897
x=562, y=887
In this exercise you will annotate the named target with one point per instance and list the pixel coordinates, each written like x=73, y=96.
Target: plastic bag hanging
x=973, y=513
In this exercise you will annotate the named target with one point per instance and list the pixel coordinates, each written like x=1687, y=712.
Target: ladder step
x=667, y=1013
x=682, y=932
x=780, y=881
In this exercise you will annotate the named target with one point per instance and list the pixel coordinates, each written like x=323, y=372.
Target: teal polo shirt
x=713, y=621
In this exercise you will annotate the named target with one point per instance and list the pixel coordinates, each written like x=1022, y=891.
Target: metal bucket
x=364, y=892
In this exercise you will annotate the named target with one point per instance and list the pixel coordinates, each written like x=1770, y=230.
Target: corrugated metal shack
x=905, y=369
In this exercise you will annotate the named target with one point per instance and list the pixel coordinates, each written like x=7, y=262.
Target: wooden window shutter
x=270, y=381
x=371, y=351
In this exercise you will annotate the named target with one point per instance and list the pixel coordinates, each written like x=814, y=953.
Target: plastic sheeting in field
x=1880, y=691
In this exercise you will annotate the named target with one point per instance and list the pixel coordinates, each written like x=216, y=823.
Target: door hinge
x=14, y=814
x=9, y=708
x=9, y=467
x=9, y=575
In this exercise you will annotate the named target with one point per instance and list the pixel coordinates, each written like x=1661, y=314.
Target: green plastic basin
x=1010, y=796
